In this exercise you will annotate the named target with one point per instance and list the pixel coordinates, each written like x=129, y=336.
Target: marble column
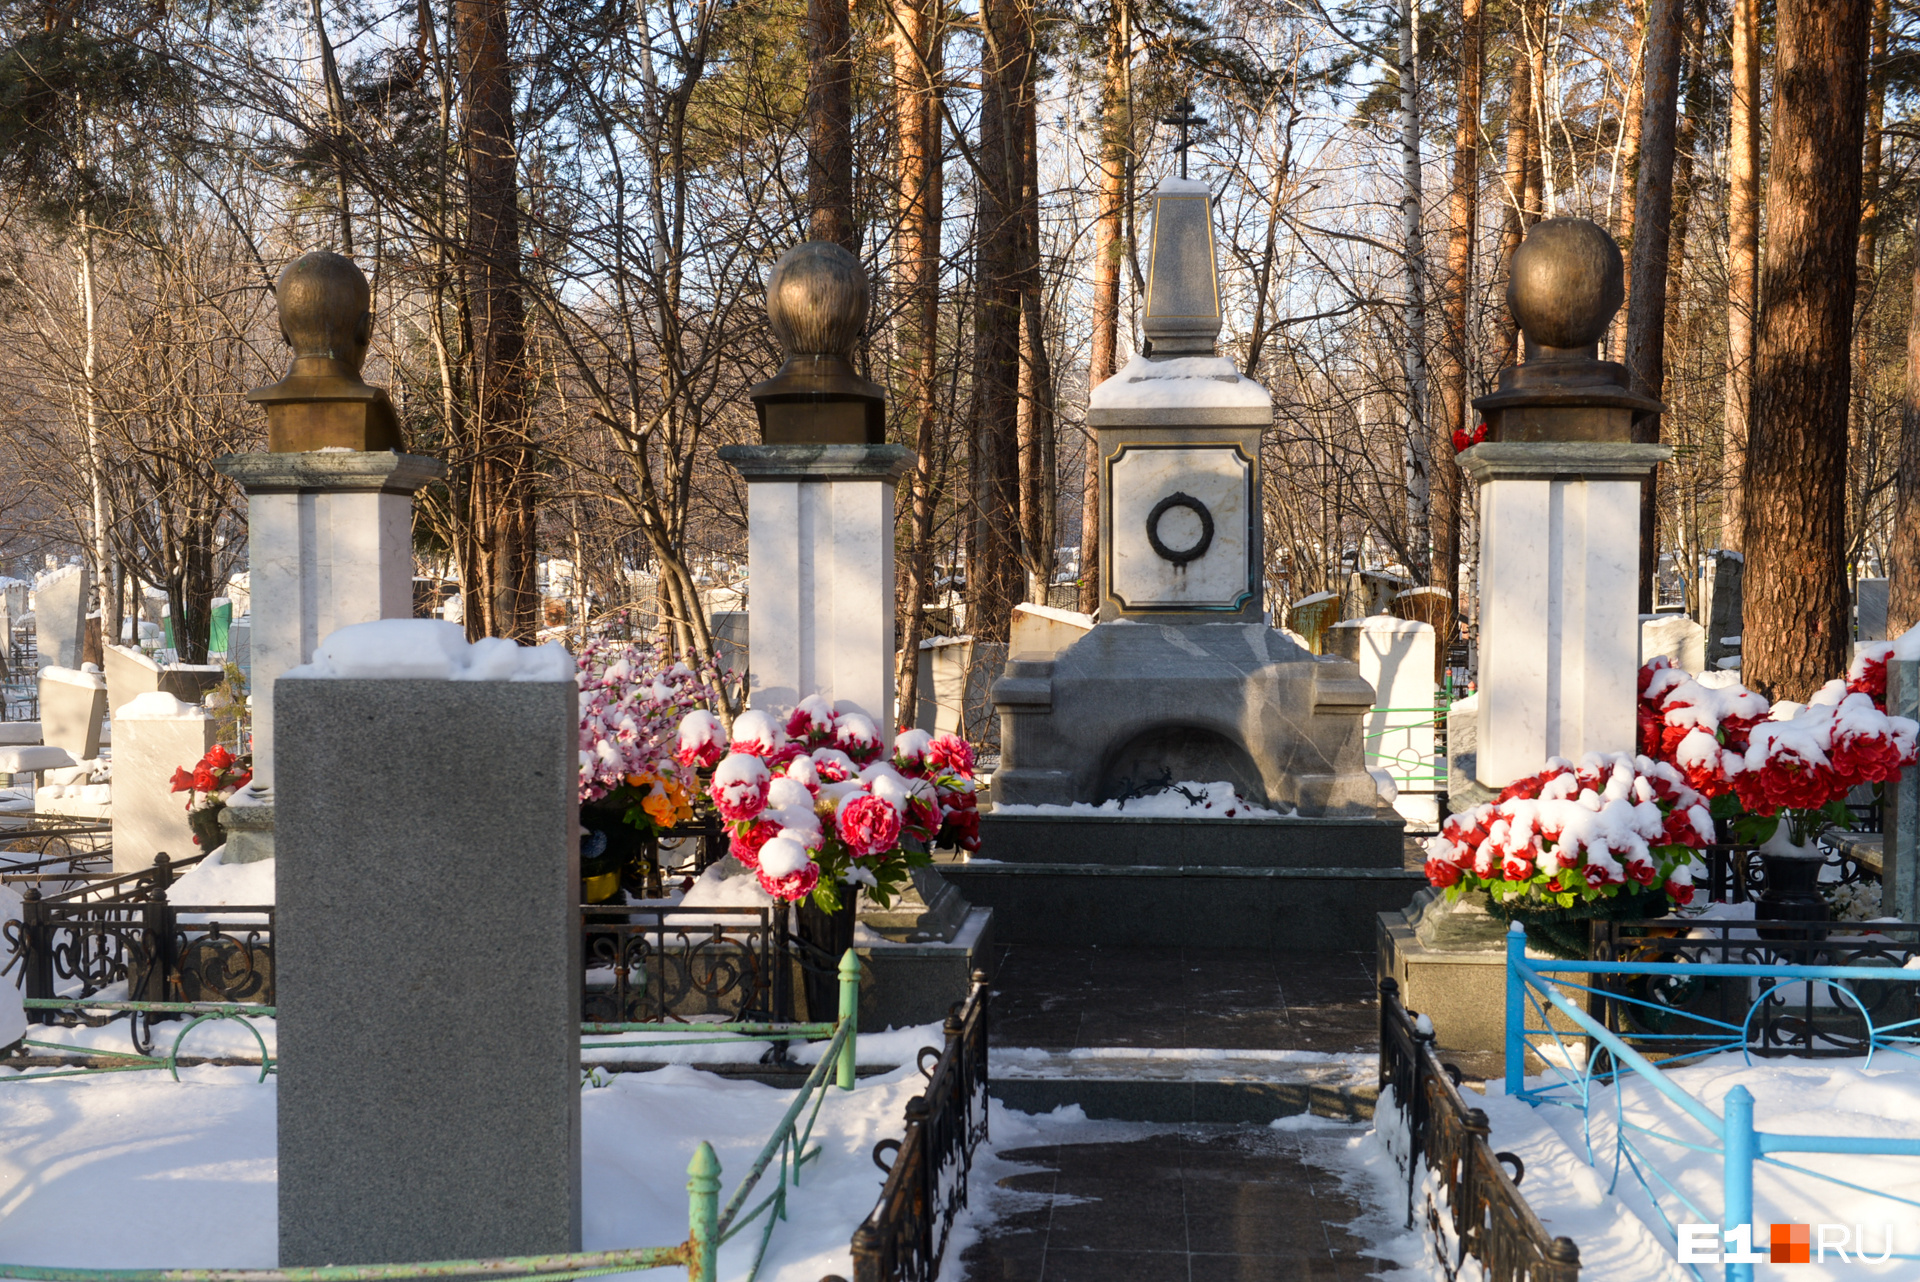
x=820, y=573
x=1559, y=582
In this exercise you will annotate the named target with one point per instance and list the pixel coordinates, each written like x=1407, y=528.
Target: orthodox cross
x=1183, y=119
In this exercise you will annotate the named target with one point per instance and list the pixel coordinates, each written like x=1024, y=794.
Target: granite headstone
x=427, y=942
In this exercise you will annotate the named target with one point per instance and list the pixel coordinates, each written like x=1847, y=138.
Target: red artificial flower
x=950, y=755
x=794, y=886
x=203, y=780
x=868, y=825
x=1596, y=876
x=1442, y=872
x=1680, y=893
x=1641, y=872
x=744, y=843
x=1459, y=444
x=961, y=829
x=217, y=757
x=182, y=781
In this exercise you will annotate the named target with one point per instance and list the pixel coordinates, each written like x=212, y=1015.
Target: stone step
x=1348, y=842
x=1152, y=1084
x=1185, y=905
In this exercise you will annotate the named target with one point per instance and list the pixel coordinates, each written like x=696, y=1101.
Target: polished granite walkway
x=1190, y=1203
x=1194, y=1204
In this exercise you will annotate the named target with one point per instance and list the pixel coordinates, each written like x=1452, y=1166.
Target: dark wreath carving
x=1193, y=505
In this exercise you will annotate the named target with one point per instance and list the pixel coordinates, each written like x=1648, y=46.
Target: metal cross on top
x=1183, y=119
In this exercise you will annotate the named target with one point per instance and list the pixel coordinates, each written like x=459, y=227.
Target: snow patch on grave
x=430, y=650
x=1184, y=800
x=1179, y=382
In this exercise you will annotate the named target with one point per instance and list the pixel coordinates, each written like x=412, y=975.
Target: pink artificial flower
x=756, y=734
x=786, y=869
x=739, y=789
x=746, y=842
x=812, y=723
x=833, y=766
x=802, y=770
x=868, y=825
x=702, y=741
x=910, y=752
x=857, y=737
x=950, y=755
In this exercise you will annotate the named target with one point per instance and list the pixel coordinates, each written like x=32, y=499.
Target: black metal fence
x=1663, y=1015
x=1481, y=1212
x=905, y=1237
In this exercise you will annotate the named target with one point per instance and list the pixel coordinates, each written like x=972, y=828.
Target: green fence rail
x=1411, y=770
x=709, y=1224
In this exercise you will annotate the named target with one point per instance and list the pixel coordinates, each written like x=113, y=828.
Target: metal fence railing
x=905, y=1238
x=1603, y=1058
x=1477, y=1210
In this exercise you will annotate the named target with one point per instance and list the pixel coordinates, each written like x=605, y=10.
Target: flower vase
x=209, y=834
x=825, y=938
x=632, y=854
x=1792, y=891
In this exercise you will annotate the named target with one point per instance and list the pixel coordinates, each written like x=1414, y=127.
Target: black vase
x=825, y=938
x=1792, y=894
x=632, y=852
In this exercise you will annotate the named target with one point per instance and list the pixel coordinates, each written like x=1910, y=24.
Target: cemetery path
x=1183, y=1201
x=1189, y=1204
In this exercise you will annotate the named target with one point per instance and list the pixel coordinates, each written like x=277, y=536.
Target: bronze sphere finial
x=325, y=308
x=817, y=300
x=1567, y=282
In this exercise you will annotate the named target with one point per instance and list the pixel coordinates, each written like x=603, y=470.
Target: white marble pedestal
x=1559, y=582
x=330, y=543
x=820, y=567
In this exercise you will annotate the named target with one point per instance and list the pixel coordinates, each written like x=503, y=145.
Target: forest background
x=567, y=209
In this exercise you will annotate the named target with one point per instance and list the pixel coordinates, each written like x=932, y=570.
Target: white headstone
x=72, y=705
x=1676, y=636
x=153, y=736
x=1395, y=657
x=60, y=602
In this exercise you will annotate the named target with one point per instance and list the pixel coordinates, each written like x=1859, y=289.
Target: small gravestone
x=1675, y=636
x=1721, y=595
x=72, y=705
x=1311, y=616
x=1395, y=657
x=427, y=941
x=1870, y=610
x=154, y=735
x=60, y=615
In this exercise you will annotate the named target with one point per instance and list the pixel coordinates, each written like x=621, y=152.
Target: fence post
x=1516, y=1010
x=36, y=942
x=1738, y=1173
x=849, y=1015
x=703, y=1215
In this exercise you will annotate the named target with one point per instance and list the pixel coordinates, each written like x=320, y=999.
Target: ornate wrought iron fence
x=905, y=1237
x=1688, y=1014
x=1481, y=1212
x=657, y=964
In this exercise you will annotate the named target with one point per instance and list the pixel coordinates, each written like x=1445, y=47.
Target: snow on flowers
x=1574, y=832
x=813, y=801
x=639, y=712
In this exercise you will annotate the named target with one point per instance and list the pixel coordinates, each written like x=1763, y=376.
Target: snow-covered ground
x=133, y=1169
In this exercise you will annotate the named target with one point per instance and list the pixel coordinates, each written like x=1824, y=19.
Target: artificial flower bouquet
x=632, y=702
x=1777, y=774
x=213, y=779
x=1612, y=825
x=817, y=802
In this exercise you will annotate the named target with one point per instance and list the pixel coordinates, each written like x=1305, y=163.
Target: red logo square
x=1792, y=1244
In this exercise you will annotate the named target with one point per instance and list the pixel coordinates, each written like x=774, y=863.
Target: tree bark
x=1652, y=219
x=1462, y=215
x=1413, y=354
x=1036, y=372
x=993, y=575
x=1109, y=248
x=1743, y=262
x=1522, y=152
x=1629, y=168
x=830, y=124
x=918, y=40
x=1797, y=625
x=498, y=566
x=1903, y=552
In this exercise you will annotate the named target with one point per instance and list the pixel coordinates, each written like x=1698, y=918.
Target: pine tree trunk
x=1903, y=552
x=994, y=574
x=1519, y=147
x=1036, y=373
x=830, y=125
x=1462, y=215
x=1109, y=248
x=1797, y=627
x=1629, y=168
x=1743, y=262
x=1652, y=220
x=917, y=50
x=500, y=594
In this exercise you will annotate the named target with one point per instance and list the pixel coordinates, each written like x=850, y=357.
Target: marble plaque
x=1178, y=527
